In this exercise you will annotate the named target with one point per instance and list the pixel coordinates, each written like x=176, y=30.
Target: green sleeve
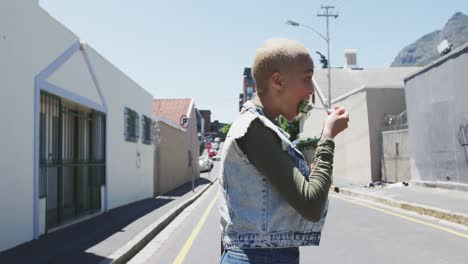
x=263, y=149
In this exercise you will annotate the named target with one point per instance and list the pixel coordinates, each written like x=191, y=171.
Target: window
x=132, y=125
x=147, y=127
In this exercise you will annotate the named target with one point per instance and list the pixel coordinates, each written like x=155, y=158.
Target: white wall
x=29, y=41
x=352, y=149
x=352, y=163
x=126, y=182
x=26, y=47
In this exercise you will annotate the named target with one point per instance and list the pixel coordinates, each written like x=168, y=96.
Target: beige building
x=71, y=122
x=369, y=95
x=177, y=148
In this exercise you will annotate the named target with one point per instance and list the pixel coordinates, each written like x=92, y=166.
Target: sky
x=198, y=49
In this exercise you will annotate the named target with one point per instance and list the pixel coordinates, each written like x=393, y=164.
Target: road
x=356, y=231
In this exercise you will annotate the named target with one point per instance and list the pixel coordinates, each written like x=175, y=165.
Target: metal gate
x=72, y=159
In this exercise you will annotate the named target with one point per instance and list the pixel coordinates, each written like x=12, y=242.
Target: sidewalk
x=445, y=204
x=109, y=236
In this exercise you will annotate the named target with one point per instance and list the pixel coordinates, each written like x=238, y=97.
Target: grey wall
x=437, y=106
x=380, y=102
x=395, y=159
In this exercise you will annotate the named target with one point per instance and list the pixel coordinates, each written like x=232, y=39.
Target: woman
x=272, y=202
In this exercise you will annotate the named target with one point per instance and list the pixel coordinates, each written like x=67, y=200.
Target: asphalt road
x=356, y=231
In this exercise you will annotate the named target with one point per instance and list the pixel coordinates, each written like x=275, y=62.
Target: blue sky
x=198, y=49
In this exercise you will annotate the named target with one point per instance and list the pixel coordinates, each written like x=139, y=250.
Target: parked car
x=217, y=140
x=212, y=153
x=205, y=164
x=215, y=145
x=217, y=158
x=208, y=145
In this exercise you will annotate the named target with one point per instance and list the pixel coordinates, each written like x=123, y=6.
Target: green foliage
x=308, y=143
x=291, y=127
x=323, y=60
x=225, y=129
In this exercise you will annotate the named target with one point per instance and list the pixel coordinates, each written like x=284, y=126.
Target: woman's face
x=298, y=86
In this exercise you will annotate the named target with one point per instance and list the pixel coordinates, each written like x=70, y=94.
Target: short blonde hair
x=275, y=55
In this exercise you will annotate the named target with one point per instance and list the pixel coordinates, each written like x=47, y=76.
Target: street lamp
x=327, y=39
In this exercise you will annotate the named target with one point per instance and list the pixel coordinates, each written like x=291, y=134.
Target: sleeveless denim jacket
x=253, y=212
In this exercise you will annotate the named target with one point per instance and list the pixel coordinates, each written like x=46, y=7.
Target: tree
x=323, y=60
x=225, y=129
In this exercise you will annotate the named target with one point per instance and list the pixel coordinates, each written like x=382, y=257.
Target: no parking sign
x=184, y=121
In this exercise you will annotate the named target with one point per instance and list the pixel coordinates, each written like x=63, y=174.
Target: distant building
x=248, y=89
x=206, y=114
x=200, y=122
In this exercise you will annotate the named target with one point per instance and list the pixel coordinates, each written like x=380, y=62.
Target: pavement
x=118, y=235
x=112, y=237
x=450, y=205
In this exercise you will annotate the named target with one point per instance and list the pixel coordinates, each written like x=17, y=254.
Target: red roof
x=172, y=109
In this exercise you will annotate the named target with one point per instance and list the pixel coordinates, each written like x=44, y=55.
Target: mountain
x=424, y=50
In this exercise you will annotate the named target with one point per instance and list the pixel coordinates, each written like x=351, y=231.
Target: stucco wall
x=171, y=157
x=395, y=160
x=352, y=150
x=380, y=102
x=30, y=40
x=437, y=106
x=26, y=47
x=126, y=182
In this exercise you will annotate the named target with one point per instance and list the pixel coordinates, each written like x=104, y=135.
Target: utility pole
x=327, y=14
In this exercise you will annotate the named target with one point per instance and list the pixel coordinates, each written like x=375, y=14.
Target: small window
x=132, y=125
x=147, y=127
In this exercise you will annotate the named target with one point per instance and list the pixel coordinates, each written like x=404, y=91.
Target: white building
x=369, y=95
x=70, y=139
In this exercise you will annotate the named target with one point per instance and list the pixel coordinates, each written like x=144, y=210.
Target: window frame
x=131, y=125
x=147, y=130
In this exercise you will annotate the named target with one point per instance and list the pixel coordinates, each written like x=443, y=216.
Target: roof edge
x=453, y=54
x=368, y=86
x=167, y=121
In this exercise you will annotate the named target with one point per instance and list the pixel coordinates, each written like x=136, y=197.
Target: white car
x=215, y=145
x=205, y=164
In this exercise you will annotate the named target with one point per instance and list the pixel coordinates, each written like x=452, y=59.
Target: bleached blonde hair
x=275, y=55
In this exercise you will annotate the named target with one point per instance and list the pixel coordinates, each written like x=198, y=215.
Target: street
x=356, y=232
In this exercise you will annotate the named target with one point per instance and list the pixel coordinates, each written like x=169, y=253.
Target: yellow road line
x=188, y=244
x=404, y=217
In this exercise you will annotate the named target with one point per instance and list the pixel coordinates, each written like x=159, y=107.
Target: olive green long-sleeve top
x=263, y=149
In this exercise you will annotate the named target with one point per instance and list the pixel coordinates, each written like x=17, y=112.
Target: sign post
x=186, y=122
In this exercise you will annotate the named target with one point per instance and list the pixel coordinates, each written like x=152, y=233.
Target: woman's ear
x=276, y=82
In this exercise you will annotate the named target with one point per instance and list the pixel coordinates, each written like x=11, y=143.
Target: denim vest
x=253, y=212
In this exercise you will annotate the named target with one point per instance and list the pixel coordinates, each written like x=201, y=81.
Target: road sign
x=184, y=121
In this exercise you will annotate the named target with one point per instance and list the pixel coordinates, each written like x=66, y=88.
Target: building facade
x=369, y=95
x=248, y=88
x=176, y=144
x=70, y=148
x=438, y=121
